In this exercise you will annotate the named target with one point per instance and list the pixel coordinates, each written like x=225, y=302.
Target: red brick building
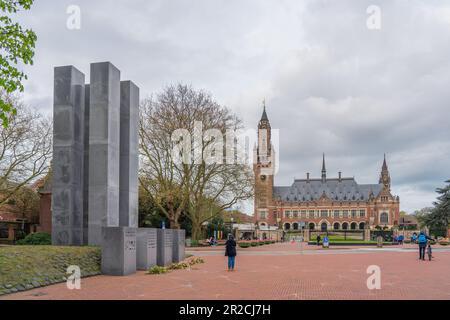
x=323, y=203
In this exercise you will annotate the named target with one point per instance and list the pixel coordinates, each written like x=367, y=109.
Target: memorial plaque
x=146, y=248
x=165, y=247
x=118, y=251
x=179, y=245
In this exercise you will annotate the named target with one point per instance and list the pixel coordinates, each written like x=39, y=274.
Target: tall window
x=336, y=214
x=263, y=215
x=304, y=214
x=362, y=213
x=345, y=213
x=384, y=218
x=324, y=213
x=295, y=214
x=311, y=214
x=353, y=213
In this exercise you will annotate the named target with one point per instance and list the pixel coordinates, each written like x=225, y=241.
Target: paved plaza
x=280, y=271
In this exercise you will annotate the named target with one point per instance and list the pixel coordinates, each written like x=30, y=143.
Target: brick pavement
x=268, y=274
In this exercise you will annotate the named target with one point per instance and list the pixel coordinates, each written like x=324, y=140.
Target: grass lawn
x=27, y=267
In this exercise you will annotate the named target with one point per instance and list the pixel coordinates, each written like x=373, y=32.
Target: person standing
x=423, y=241
x=230, y=252
x=318, y=240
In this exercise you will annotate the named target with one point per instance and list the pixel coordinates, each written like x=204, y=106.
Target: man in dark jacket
x=230, y=252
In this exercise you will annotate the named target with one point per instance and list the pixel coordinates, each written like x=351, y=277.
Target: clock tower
x=263, y=168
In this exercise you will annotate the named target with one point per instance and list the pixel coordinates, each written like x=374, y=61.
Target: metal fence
x=338, y=235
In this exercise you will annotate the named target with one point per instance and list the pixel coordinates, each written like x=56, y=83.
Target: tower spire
x=385, y=177
x=264, y=115
x=385, y=167
x=324, y=170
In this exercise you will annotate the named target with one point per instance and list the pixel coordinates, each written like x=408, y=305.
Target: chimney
x=340, y=176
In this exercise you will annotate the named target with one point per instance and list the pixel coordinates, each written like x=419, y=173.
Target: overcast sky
x=331, y=84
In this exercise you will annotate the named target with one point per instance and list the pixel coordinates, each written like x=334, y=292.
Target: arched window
x=287, y=226
x=384, y=218
x=353, y=226
x=345, y=226
x=336, y=226
x=312, y=226
x=362, y=226
x=295, y=226
x=324, y=227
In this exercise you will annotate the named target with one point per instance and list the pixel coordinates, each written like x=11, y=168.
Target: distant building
x=409, y=222
x=318, y=203
x=19, y=215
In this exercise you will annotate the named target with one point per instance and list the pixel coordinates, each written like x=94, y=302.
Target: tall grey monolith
x=104, y=149
x=86, y=166
x=68, y=154
x=129, y=118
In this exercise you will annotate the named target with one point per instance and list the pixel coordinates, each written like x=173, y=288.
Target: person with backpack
x=423, y=241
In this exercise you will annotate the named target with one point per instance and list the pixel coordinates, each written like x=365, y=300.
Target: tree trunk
x=196, y=231
x=174, y=224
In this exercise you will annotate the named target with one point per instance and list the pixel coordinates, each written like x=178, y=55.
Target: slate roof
x=346, y=189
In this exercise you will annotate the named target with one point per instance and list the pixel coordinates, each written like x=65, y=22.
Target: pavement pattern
x=276, y=272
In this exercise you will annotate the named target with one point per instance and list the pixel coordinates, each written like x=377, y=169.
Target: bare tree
x=25, y=148
x=193, y=185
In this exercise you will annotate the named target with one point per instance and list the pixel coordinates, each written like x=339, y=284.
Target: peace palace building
x=318, y=204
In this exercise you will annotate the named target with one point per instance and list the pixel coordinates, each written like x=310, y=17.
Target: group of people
x=422, y=240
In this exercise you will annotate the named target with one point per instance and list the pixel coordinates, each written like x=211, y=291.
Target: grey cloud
x=331, y=84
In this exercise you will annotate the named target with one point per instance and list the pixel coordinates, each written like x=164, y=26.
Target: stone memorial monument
x=179, y=245
x=104, y=149
x=68, y=157
x=129, y=158
x=146, y=248
x=118, y=251
x=165, y=247
x=95, y=172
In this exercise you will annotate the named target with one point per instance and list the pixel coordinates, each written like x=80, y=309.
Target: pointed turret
x=385, y=177
x=324, y=170
x=264, y=115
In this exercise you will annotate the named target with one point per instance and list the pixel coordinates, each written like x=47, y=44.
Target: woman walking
x=230, y=252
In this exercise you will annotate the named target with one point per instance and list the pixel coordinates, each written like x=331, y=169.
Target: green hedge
x=36, y=239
